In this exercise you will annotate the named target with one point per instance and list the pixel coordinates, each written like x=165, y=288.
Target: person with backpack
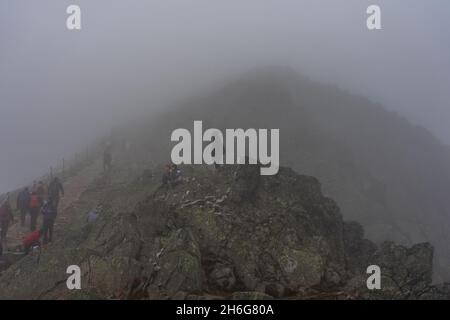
x=23, y=205
x=32, y=240
x=6, y=218
x=35, y=207
x=55, y=190
x=49, y=214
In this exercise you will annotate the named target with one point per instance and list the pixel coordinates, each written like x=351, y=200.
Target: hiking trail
x=74, y=188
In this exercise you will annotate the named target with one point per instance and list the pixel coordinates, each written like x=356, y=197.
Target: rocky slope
x=219, y=234
x=384, y=172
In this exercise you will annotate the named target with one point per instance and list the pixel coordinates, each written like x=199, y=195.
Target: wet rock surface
x=220, y=234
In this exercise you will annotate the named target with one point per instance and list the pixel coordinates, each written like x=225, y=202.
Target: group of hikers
x=171, y=176
x=39, y=200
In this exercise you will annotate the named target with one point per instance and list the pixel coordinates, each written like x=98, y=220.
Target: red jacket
x=35, y=201
x=32, y=238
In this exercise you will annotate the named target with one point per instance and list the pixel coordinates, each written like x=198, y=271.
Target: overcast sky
x=60, y=88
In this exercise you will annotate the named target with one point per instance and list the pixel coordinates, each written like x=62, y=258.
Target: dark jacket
x=49, y=211
x=23, y=200
x=55, y=188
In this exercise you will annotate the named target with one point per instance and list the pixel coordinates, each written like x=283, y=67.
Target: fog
x=59, y=89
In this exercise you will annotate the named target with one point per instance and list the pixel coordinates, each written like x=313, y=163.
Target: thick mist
x=60, y=89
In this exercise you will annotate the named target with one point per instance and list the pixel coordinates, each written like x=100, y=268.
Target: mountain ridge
x=383, y=171
x=227, y=233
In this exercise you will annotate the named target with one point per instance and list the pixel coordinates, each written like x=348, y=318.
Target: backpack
x=35, y=202
x=32, y=238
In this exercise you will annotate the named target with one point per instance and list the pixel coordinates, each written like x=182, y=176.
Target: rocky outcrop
x=358, y=250
x=227, y=233
x=384, y=172
x=406, y=272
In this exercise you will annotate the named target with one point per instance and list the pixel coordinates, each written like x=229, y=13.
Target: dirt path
x=73, y=188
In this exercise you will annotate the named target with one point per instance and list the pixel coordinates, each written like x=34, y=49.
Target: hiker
x=176, y=174
x=49, y=212
x=35, y=207
x=40, y=190
x=107, y=158
x=166, y=175
x=6, y=218
x=171, y=175
x=23, y=204
x=32, y=240
x=55, y=189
